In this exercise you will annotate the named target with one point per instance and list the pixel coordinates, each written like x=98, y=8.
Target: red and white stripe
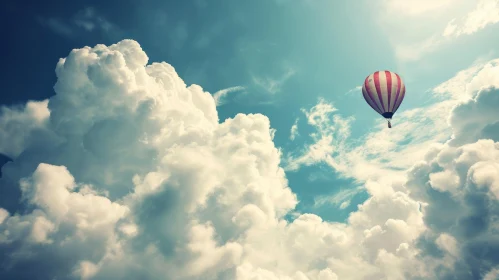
x=384, y=91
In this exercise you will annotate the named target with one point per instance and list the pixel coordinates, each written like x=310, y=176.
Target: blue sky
x=299, y=64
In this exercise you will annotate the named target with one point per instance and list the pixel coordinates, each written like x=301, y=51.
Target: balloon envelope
x=384, y=92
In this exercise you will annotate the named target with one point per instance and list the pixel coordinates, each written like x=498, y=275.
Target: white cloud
x=3, y=215
x=329, y=139
x=20, y=125
x=414, y=51
x=387, y=152
x=460, y=219
x=273, y=85
x=466, y=83
x=444, y=181
x=417, y=8
x=493, y=274
x=341, y=199
x=87, y=19
x=294, y=130
x=476, y=118
x=147, y=182
x=86, y=270
x=422, y=18
x=381, y=158
x=485, y=13
x=141, y=138
x=356, y=90
x=447, y=243
x=433, y=24
x=220, y=95
x=56, y=25
x=380, y=154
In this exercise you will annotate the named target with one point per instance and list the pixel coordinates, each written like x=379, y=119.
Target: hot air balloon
x=384, y=92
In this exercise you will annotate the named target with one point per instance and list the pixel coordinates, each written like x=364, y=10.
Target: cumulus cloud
x=493, y=274
x=144, y=178
x=20, y=126
x=145, y=181
x=477, y=118
x=461, y=216
x=455, y=142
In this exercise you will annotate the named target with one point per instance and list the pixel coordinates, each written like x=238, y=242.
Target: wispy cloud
x=387, y=153
x=273, y=85
x=87, y=20
x=416, y=8
x=341, y=199
x=485, y=13
x=332, y=132
x=294, y=130
x=383, y=153
x=466, y=82
x=414, y=51
x=354, y=90
x=221, y=95
x=426, y=16
x=56, y=25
